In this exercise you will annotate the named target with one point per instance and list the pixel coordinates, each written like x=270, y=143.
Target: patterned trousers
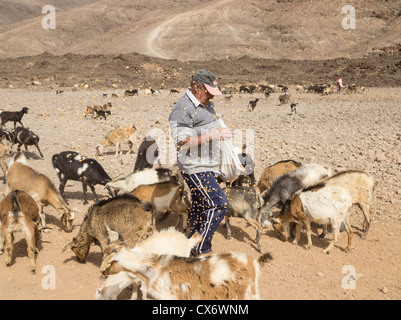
x=209, y=207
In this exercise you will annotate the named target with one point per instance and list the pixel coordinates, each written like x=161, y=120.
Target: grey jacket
x=189, y=118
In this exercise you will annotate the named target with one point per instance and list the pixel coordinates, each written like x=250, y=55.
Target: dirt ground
x=358, y=131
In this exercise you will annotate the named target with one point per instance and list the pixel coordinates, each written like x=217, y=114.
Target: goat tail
x=15, y=203
x=265, y=258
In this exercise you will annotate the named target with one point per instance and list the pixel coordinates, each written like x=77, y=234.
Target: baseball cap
x=209, y=80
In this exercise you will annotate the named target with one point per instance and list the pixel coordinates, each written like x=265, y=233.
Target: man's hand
x=221, y=134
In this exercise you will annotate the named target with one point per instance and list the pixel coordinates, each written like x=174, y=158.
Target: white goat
x=168, y=241
x=147, y=176
x=322, y=204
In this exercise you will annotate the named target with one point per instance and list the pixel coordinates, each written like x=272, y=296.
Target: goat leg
x=9, y=247
x=63, y=182
x=228, y=235
x=94, y=192
x=258, y=235
x=1, y=241
x=40, y=152
x=84, y=187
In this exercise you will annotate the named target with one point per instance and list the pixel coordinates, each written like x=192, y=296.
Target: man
x=339, y=84
x=196, y=132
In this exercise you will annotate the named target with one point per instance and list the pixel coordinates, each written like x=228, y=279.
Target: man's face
x=202, y=94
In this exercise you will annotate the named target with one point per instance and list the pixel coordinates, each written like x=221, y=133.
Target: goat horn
x=67, y=246
x=45, y=228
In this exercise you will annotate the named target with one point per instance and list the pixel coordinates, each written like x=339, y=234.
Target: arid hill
x=200, y=29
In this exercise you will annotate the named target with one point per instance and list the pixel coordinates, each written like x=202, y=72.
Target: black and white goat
x=14, y=116
x=148, y=153
x=26, y=137
x=70, y=165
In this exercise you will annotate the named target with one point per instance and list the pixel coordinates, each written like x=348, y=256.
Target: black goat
x=4, y=134
x=248, y=177
x=23, y=136
x=252, y=104
x=294, y=108
x=148, y=152
x=14, y=116
x=133, y=92
x=70, y=165
x=101, y=113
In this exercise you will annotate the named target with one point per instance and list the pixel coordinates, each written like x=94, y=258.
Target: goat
x=244, y=89
x=133, y=92
x=229, y=98
x=174, y=91
x=360, y=185
x=70, y=165
x=14, y=116
x=22, y=177
x=282, y=88
x=97, y=110
x=167, y=241
x=227, y=276
x=275, y=171
x=149, y=92
x=244, y=202
x=252, y=104
x=148, y=152
x=19, y=212
x=3, y=150
x=7, y=135
x=131, y=181
x=248, y=176
x=284, y=187
x=101, y=114
x=168, y=196
x=116, y=137
x=316, y=88
x=322, y=204
x=294, y=108
x=284, y=98
x=26, y=137
x=125, y=215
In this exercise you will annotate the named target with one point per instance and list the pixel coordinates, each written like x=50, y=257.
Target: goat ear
x=69, y=245
x=113, y=236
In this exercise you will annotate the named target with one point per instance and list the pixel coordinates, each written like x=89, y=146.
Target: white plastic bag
x=230, y=165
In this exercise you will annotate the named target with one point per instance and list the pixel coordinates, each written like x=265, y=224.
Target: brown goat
x=19, y=212
x=3, y=151
x=285, y=98
x=360, y=185
x=116, y=137
x=126, y=216
x=22, y=177
x=166, y=196
x=275, y=171
x=227, y=276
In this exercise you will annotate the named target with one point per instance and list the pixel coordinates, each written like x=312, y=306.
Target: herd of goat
x=289, y=196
